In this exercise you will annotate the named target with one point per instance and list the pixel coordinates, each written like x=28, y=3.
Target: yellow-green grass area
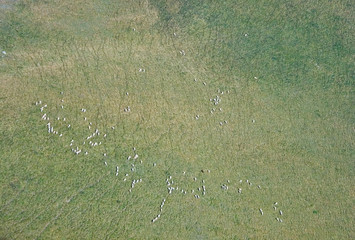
x=218, y=92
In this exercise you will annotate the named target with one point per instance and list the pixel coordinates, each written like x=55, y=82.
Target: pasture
x=178, y=119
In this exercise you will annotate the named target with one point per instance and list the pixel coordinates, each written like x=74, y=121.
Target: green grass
x=286, y=69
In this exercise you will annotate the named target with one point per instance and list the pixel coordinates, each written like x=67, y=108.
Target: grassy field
x=232, y=106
